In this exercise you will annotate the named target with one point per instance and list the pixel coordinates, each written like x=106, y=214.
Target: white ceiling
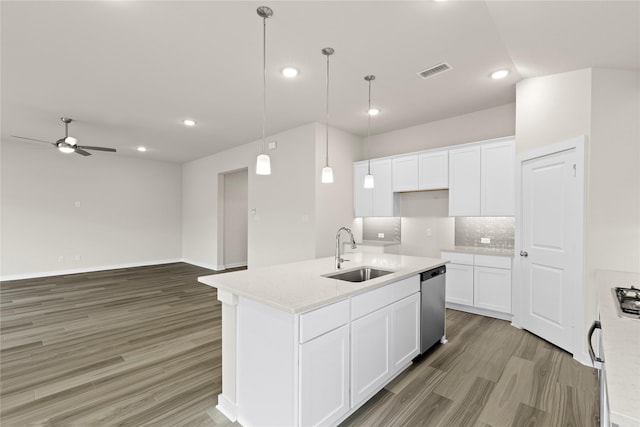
x=128, y=72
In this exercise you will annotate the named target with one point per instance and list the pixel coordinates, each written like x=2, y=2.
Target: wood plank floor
x=141, y=346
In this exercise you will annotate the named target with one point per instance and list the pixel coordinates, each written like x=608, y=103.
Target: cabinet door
x=405, y=173
x=362, y=197
x=459, y=284
x=324, y=378
x=406, y=331
x=464, y=181
x=370, y=354
x=383, y=188
x=492, y=289
x=498, y=179
x=434, y=170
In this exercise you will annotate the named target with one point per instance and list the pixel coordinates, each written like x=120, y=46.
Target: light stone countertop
x=621, y=342
x=300, y=286
x=481, y=251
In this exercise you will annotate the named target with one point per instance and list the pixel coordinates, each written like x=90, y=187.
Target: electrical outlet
x=60, y=258
x=428, y=232
x=77, y=204
x=380, y=235
x=78, y=257
x=272, y=145
x=486, y=240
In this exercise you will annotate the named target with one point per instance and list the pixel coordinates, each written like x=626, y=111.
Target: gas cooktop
x=628, y=301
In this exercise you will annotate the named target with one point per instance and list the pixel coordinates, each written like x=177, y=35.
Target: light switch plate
x=380, y=235
x=273, y=145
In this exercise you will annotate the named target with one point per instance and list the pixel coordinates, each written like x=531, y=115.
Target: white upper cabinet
x=464, y=181
x=377, y=201
x=482, y=179
x=383, y=199
x=498, y=179
x=405, y=173
x=433, y=170
x=362, y=197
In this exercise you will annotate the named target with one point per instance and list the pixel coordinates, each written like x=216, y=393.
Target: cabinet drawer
x=371, y=301
x=405, y=287
x=322, y=320
x=457, y=257
x=493, y=261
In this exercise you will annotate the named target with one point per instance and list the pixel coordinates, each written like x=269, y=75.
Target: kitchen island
x=299, y=348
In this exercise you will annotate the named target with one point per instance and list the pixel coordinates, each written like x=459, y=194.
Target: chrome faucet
x=353, y=245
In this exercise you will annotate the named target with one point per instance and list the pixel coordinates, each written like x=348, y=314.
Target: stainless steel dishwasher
x=432, y=312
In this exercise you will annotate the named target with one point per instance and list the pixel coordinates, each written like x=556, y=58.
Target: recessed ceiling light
x=189, y=122
x=500, y=74
x=142, y=149
x=290, y=72
x=374, y=112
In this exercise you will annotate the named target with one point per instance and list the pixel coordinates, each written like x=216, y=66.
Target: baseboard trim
x=479, y=311
x=234, y=265
x=88, y=269
x=203, y=264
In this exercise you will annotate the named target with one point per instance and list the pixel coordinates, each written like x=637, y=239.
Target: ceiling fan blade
x=82, y=152
x=33, y=139
x=86, y=147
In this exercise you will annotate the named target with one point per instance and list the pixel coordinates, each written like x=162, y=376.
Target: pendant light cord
x=369, y=133
x=264, y=80
x=327, y=116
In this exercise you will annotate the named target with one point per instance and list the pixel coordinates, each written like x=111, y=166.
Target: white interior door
x=550, y=246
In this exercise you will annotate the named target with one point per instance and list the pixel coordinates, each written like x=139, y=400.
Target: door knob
x=524, y=254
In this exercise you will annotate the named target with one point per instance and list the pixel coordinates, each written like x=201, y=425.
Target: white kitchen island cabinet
x=300, y=349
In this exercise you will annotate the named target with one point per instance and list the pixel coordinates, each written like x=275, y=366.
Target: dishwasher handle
x=595, y=325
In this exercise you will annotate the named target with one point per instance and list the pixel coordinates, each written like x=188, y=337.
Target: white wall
x=334, y=202
x=477, y=126
x=613, y=216
x=236, y=211
x=552, y=109
x=282, y=230
x=293, y=213
x=604, y=105
x=129, y=214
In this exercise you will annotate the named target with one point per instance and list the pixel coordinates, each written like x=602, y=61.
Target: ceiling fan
x=69, y=144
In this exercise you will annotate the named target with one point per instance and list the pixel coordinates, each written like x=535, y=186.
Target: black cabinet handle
x=595, y=325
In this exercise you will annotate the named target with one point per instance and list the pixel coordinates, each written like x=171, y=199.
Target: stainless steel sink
x=360, y=275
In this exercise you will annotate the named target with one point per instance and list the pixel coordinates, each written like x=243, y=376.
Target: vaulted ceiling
x=129, y=72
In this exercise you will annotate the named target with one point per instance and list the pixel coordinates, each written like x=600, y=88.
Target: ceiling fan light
x=65, y=148
x=263, y=165
x=327, y=175
x=71, y=141
x=368, y=181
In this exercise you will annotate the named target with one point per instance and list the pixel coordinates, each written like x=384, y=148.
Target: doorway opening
x=235, y=205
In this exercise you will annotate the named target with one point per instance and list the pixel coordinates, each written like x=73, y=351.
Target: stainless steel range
x=628, y=302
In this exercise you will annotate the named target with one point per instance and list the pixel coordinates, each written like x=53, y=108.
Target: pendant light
x=263, y=162
x=327, y=172
x=368, y=179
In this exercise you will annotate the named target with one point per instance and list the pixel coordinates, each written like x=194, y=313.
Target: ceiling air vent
x=436, y=69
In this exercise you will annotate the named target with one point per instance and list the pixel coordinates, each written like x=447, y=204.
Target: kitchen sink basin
x=360, y=275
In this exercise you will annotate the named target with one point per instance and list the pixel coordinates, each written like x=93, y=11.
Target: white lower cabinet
x=385, y=335
x=370, y=354
x=324, y=378
x=479, y=283
x=459, y=284
x=492, y=289
x=406, y=331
